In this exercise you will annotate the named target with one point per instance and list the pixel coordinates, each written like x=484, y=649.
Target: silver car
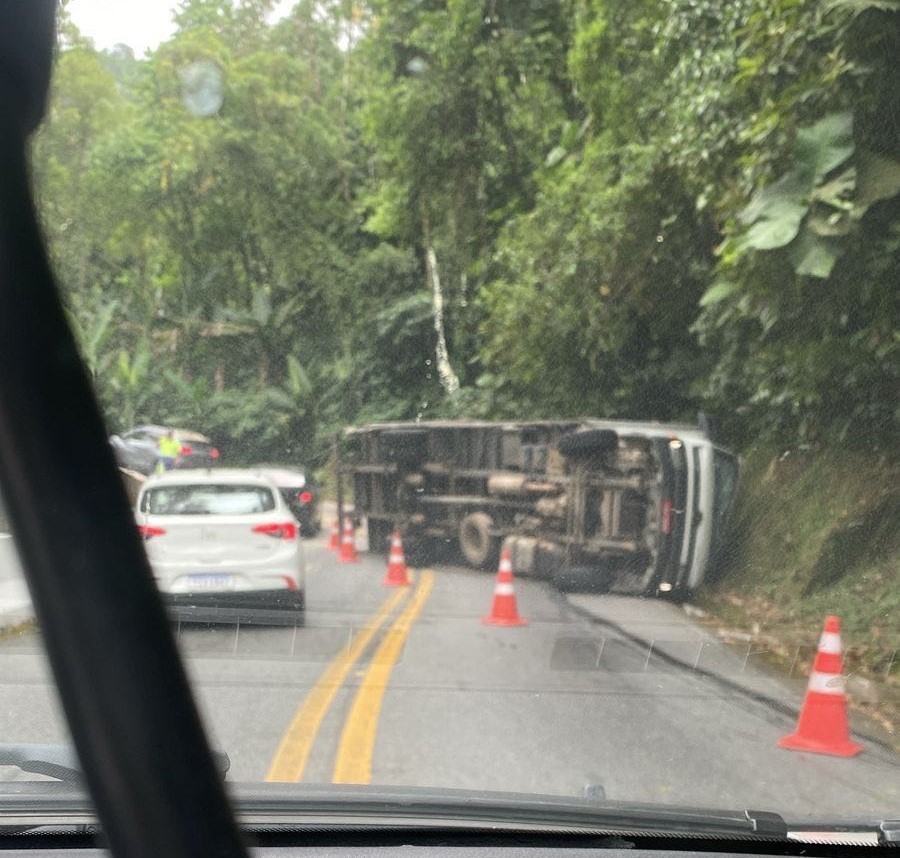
x=138, y=449
x=223, y=545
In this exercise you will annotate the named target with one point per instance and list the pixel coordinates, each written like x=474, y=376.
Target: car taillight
x=186, y=450
x=667, y=516
x=148, y=531
x=305, y=497
x=213, y=453
x=285, y=530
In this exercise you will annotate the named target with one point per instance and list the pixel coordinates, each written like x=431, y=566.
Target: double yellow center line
x=353, y=764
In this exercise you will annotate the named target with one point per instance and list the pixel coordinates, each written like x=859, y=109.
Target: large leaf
x=777, y=227
x=261, y=306
x=299, y=383
x=792, y=188
x=101, y=329
x=286, y=311
x=823, y=146
x=404, y=316
x=777, y=211
x=717, y=292
x=814, y=256
x=858, y=6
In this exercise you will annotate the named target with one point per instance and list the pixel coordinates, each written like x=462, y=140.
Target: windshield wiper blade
x=274, y=807
x=401, y=806
x=61, y=762
x=55, y=761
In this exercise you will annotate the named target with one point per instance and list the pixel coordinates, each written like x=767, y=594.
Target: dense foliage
x=267, y=229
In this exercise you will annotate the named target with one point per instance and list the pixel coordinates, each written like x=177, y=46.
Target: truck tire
x=405, y=446
x=581, y=579
x=477, y=544
x=589, y=442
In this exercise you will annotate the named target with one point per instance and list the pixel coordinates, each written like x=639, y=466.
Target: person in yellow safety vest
x=168, y=447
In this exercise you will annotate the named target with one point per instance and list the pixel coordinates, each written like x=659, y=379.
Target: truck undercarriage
x=570, y=499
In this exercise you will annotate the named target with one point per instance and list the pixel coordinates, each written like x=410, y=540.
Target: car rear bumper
x=268, y=607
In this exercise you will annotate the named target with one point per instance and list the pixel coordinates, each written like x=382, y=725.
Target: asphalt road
x=407, y=687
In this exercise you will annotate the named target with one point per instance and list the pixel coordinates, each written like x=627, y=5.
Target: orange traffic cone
x=504, y=611
x=334, y=540
x=822, y=726
x=396, y=570
x=348, y=543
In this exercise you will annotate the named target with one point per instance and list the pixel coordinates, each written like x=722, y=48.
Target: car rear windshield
x=207, y=500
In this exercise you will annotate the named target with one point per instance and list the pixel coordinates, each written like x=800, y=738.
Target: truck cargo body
x=620, y=505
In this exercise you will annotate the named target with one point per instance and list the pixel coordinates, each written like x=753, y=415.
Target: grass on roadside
x=814, y=532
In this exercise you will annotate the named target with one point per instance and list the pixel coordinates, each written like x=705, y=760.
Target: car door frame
x=125, y=693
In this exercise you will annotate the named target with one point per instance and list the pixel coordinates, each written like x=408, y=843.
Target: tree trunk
x=448, y=378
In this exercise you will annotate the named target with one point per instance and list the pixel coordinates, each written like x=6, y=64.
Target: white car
x=223, y=545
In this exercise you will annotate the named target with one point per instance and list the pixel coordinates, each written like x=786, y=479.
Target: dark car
x=138, y=448
x=300, y=493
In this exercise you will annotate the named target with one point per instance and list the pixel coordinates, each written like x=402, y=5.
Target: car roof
x=281, y=476
x=190, y=435
x=209, y=476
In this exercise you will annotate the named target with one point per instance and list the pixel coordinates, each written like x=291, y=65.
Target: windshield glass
x=725, y=474
x=579, y=316
x=207, y=500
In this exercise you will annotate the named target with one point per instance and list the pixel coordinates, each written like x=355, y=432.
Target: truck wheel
x=582, y=579
x=477, y=544
x=590, y=442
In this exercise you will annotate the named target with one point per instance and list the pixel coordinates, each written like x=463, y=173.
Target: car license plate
x=207, y=581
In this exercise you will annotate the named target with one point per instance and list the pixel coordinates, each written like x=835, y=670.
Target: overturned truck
x=625, y=506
